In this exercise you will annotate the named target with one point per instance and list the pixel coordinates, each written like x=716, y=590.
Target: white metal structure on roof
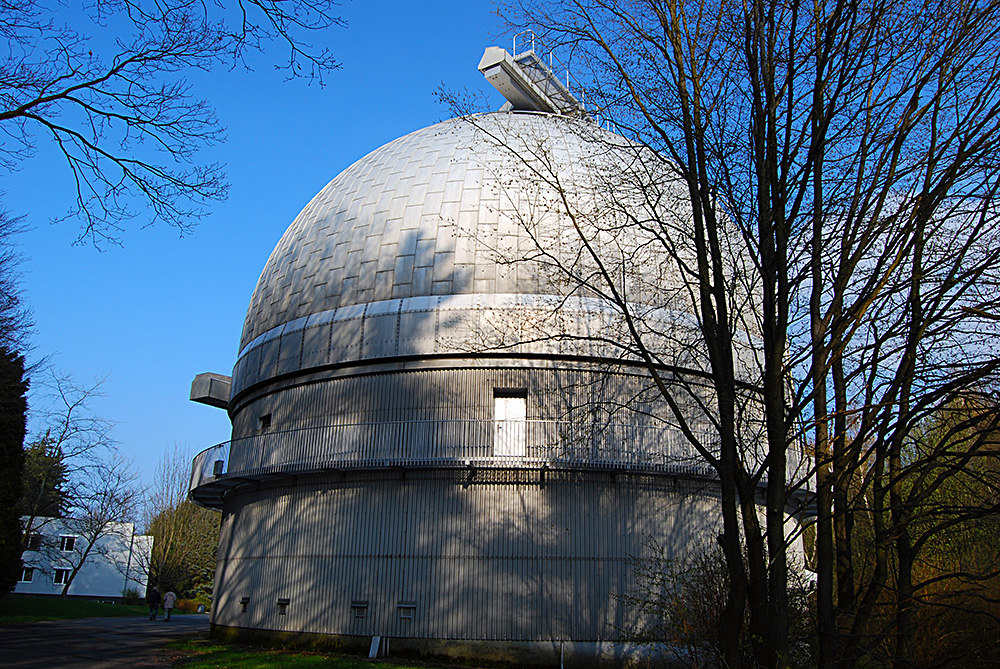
x=527, y=81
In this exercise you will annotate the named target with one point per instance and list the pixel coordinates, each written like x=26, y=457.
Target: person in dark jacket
x=153, y=602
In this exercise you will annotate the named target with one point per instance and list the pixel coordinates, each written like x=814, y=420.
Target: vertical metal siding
x=503, y=558
x=500, y=560
x=433, y=414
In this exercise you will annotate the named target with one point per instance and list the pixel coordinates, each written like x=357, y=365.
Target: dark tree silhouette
x=13, y=408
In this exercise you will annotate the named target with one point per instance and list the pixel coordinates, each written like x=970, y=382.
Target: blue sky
x=161, y=308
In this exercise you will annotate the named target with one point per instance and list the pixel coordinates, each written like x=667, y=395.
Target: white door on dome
x=510, y=417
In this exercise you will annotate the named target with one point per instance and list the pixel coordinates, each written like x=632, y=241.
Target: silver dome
x=417, y=248
x=422, y=215
x=431, y=416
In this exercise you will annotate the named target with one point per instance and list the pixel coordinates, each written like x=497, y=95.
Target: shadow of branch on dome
x=589, y=248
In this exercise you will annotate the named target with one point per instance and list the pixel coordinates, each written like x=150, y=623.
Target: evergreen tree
x=45, y=479
x=13, y=407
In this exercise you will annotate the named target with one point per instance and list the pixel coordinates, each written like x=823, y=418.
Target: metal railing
x=450, y=443
x=525, y=36
x=530, y=44
x=205, y=469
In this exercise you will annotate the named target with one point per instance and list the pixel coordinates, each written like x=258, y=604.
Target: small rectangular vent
x=243, y=604
x=406, y=609
x=283, y=606
x=359, y=608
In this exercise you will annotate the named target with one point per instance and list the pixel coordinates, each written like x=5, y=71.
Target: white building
x=116, y=562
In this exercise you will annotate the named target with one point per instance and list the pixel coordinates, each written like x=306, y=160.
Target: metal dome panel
x=423, y=215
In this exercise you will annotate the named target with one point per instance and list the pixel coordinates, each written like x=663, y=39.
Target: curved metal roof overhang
x=211, y=493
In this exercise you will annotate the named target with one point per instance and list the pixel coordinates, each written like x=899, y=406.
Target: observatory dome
x=433, y=414
x=417, y=217
x=444, y=433
x=421, y=240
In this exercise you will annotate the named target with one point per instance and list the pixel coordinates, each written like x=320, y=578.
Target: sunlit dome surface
x=427, y=214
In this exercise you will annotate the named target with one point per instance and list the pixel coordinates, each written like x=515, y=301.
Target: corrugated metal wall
x=448, y=394
x=432, y=553
x=448, y=413
x=505, y=558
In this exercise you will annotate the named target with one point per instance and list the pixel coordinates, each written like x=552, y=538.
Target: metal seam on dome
x=464, y=302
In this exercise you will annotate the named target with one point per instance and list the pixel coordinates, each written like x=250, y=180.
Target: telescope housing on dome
x=527, y=81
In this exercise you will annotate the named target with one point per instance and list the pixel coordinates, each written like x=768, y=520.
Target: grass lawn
x=30, y=608
x=205, y=654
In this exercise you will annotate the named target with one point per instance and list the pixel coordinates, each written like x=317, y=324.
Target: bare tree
x=837, y=168
x=120, y=111
x=185, y=536
x=106, y=503
x=77, y=482
x=72, y=444
x=15, y=316
x=629, y=243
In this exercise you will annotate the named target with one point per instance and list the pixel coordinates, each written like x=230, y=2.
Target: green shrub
x=131, y=596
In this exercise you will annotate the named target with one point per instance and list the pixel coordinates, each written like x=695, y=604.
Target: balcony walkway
x=527, y=445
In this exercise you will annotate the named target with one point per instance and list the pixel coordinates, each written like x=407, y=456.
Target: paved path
x=95, y=642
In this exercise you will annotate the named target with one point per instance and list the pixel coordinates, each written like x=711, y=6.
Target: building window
x=66, y=543
x=27, y=574
x=62, y=576
x=265, y=421
x=283, y=606
x=33, y=543
x=510, y=414
x=243, y=604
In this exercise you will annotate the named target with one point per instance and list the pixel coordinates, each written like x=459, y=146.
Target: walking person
x=169, y=600
x=153, y=602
